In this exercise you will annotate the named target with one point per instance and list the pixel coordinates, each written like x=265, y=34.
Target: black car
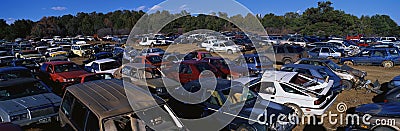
x=31, y=64
x=220, y=105
x=245, y=43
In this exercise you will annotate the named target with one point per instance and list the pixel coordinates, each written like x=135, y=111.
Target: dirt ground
x=351, y=98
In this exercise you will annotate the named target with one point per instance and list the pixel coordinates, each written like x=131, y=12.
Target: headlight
x=19, y=117
x=69, y=80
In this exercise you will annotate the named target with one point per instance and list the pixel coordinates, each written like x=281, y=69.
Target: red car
x=191, y=69
x=60, y=73
x=231, y=71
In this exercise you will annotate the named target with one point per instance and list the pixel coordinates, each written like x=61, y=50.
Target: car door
x=363, y=57
x=185, y=73
x=377, y=57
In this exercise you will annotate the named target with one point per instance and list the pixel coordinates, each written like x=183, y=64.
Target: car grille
x=42, y=112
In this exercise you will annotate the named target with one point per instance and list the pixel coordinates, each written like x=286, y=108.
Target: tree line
x=322, y=20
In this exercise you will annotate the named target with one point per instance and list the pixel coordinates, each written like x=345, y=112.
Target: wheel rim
x=287, y=62
x=296, y=110
x=348, y=63
x=387, y=64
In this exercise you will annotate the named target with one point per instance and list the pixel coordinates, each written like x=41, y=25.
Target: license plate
x=45, y=120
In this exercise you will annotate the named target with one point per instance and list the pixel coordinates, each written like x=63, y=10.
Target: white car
x=103, y=66
x=208, y=43
x=224, y=46
x=304, y=94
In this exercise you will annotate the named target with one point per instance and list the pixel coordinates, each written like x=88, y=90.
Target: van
x=103, y=105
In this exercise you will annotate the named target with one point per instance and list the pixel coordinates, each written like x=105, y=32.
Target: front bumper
x=38, y=120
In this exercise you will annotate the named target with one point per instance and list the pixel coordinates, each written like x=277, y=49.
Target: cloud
x=140, y=8
x=59, y=8
x=10, y=21
x=156, y=7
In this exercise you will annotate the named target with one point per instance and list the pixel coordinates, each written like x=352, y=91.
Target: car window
x=95, y=66
x=280, y=50
x=78, y=114
x=303, y=71
x=365, y=53
x=379, y=53
x=325, y=50
x=66, y=105
x=267, y=88
x=185, y=69
x=289, y=89
x=92, y=123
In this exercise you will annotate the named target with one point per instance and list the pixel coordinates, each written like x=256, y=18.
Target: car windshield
x=109, y=65
x=305, y=81
x=153, y=117
x=25, y=62
x=66, y=68
x=98, y=77
x=22, y=90
x=15, y=74
x=155, y=59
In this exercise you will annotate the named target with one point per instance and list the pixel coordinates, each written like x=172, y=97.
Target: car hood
x=24, y=103
x=380, y=109
x=72, y=74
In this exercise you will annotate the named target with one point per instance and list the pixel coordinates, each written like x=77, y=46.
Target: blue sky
x=36, y=9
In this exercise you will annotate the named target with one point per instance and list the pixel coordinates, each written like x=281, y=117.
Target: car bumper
x=39, y=120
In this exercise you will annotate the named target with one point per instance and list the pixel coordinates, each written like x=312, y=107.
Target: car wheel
x=212, y=50
x=287, y=61
x=297, y=109
x=245, y=128
x=230, y=52
x=387, y=64
x=383, y=128
x=349, y=63
x=348, y=84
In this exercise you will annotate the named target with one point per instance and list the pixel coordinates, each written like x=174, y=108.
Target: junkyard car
x=103, y=105
x=189, y=70
x=102, y=66
x=147, y=76
x=386, y=57
x=231, y=71
x=32, y=65
x=255, y=63
x=82, y=50
x=224, y=46
x=94, y=76
x=30, y=54
x=324, y=52
x=306, y=95
x=226, y=99
x=382, y=117
x=152, y=51
x=26, y=101
x=7, y=73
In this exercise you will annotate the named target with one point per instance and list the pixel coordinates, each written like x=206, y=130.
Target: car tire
x=287, y=61
x=383, y=128
x=297, y=109
x=211, y=50
x=348, y=84
x=245, y=128
x=387, y=64
x=349, y=63
x=230, y=52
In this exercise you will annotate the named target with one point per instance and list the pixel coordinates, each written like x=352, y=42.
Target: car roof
x=17, y=68
x=278, y=76
x=107, y=98
x=17, y=81
x=59, y=62
x=104, y=60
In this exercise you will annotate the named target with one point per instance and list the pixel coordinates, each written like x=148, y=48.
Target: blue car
x=316, y=71
x=394, y=83
x=381, y=117
x=386, y=57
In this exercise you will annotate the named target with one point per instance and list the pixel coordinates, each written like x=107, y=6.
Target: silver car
x=26, y=101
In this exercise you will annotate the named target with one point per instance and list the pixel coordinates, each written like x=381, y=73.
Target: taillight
x=385, y=101
x=317, y=102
